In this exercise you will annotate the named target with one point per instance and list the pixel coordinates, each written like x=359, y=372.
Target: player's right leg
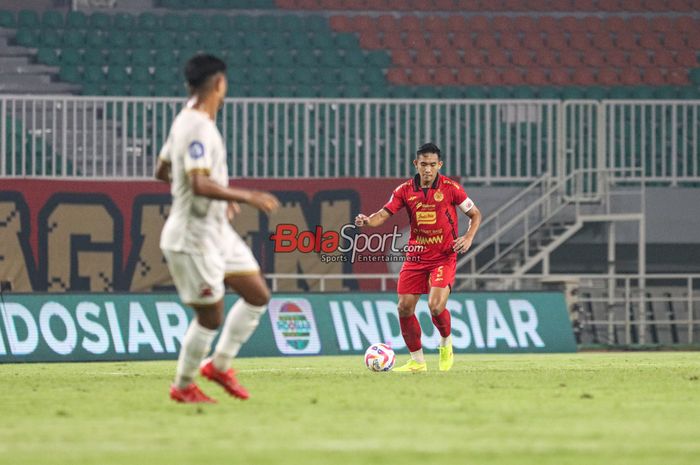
x=195, y=278
x=411, y=332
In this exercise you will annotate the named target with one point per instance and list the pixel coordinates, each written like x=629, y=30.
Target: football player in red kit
x=431, y=201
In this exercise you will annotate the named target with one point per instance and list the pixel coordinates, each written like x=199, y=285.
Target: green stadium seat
x=118, y=58
x=689, y=93
x=346, y=42
x=51, y=19
x=354, y=58
x=71, y=57
x=95, y=40
x=451, y=92
x=425, y=92
x=268, y=23
x=73, y=38
x=124, y=22
x=259, y=59
x=164, y=59
x=281, y=58
x=93, y=56
x=524, y=92
x=572, y=93
x=379, y=59
x=306, y=91
x=278, y=41
x=7, y=19
x=291, y=23
x=93, y=74
x=173, y=22
x=475, y=92
x=642, y=92
x=499, y=92
x=140, y=90
x=665, y=93
x=694, y=76
x=141, y=57
x=299, y=42
x=306, y=59
x=244, y=23
x=27, y=18
x=76, y=20
x=26, y=37
x=100, y=22
x=320, y=41
x=283, y=91
x=70, y=74
x=117, y=89
x=92, y=89
x=148, y=22
x=259, y=90
x=595, y=93
x=49, y=38
x=316, y=23
x=117, y=39
x=117, y=75
x=221, y=23
x=47, y=56
x=401, y=92
x=549, y=93
x=330, y=59
x=140, y=74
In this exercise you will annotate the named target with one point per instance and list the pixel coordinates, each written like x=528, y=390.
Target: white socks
x=445, y=341
x=239, y=326
x=195, y=346
x=418, y=356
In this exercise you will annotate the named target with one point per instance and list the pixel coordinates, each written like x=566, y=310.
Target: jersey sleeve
x=396, y=201
x=198, y=158
x=461, y=199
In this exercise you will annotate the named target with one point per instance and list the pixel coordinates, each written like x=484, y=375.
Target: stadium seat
x=47, y=56
x=7, y=19
x=51, y=19
x=76, y=20
x=27, y=19
x=70, y=57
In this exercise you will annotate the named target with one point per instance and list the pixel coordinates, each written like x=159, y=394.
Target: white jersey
x=195, y=224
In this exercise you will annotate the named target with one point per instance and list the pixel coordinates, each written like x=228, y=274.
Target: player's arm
x=163, y=171
x=395, y=203
x=163, y=165
x=373, y=220
x=463, y=243
x=203, y=185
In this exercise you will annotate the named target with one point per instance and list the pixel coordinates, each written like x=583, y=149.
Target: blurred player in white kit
x=203, y=251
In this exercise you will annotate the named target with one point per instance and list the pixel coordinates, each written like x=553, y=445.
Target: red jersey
x=432, y=215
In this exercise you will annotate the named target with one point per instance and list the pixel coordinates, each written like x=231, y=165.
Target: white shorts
x=199, y=279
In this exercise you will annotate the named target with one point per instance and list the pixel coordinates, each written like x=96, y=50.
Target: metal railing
x=484, y=140
x=113, y=137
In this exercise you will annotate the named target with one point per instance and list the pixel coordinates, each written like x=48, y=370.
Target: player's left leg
x=240, y=324
x=441, y=281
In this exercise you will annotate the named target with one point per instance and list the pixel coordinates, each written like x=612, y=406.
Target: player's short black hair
x=201, y=67
x=429, y=147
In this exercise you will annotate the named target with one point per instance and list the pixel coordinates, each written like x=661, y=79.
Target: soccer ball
x=380, y=357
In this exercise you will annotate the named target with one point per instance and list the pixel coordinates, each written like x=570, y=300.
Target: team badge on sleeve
x=196, y=150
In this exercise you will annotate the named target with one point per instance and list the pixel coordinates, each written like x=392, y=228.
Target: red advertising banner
x=58, y=236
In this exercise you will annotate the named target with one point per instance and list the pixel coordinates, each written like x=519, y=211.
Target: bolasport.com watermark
x=347, y=245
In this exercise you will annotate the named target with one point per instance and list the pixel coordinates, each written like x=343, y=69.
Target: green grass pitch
x=590, y=408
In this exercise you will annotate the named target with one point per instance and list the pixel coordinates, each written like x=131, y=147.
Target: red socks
x=443, y=322
x=410, y=330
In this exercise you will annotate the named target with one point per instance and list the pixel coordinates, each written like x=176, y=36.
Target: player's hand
x=233, y=209
x=361, y=220
x=264, y=201
x=461, y=244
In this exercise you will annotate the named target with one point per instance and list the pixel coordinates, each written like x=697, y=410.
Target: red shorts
x=418, y=278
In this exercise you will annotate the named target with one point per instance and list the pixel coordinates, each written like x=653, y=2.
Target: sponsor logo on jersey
x=426, y=217
x=294, y=326
x=196, y=150
x=426, y=240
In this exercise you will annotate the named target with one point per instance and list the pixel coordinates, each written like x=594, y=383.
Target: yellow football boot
x=447, y=357
x=412, y=367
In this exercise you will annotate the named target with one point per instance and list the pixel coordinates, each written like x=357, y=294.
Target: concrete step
x=15, y=61
x=57, y=88
x=25, y=79
x=27, y=69
x=12, y=50
x=7, y=33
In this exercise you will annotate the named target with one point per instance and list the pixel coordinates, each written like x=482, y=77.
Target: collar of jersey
x=416, y=182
